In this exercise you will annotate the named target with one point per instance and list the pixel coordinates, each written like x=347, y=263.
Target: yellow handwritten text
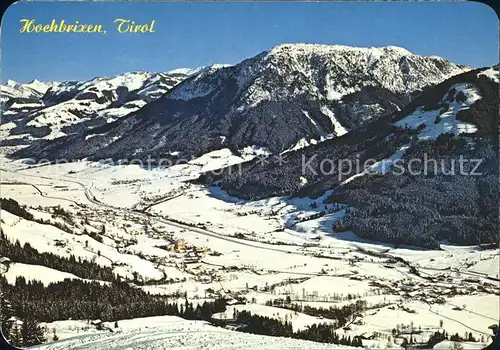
x=30, y=26
x=129, y=26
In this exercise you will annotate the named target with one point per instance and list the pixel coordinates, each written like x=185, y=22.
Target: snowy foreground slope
x=169, y=332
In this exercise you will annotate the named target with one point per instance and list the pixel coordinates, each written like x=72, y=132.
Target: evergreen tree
x=31, y=332
x=15, y=338
x=6, y=317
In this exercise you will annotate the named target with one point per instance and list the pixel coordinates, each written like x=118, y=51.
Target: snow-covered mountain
x=463, y=105
x=456, y=119
x=292, y=94
x=143, y=85
x=51, y=110
x=33, y=90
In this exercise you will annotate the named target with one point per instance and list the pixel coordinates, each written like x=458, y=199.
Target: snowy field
x=298, y=320
x=169, y=332
x=447, y=117
x=35, y=272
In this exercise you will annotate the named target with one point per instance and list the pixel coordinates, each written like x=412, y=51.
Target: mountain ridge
x=292, y=93
x=456, y=119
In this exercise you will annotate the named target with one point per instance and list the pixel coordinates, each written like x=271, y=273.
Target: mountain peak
x=398, y=49
x=185, y=71
x=324, y=48
x=12, y=83
x=197, y=70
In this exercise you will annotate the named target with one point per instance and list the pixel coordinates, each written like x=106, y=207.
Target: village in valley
x=376, y=294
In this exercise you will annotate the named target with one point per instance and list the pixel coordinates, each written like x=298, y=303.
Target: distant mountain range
x=284, y=98
x=53, y=110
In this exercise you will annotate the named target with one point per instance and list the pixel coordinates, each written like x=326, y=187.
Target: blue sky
x=198, y=34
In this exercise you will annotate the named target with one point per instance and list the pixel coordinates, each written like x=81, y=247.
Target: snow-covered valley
x=204, y=244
